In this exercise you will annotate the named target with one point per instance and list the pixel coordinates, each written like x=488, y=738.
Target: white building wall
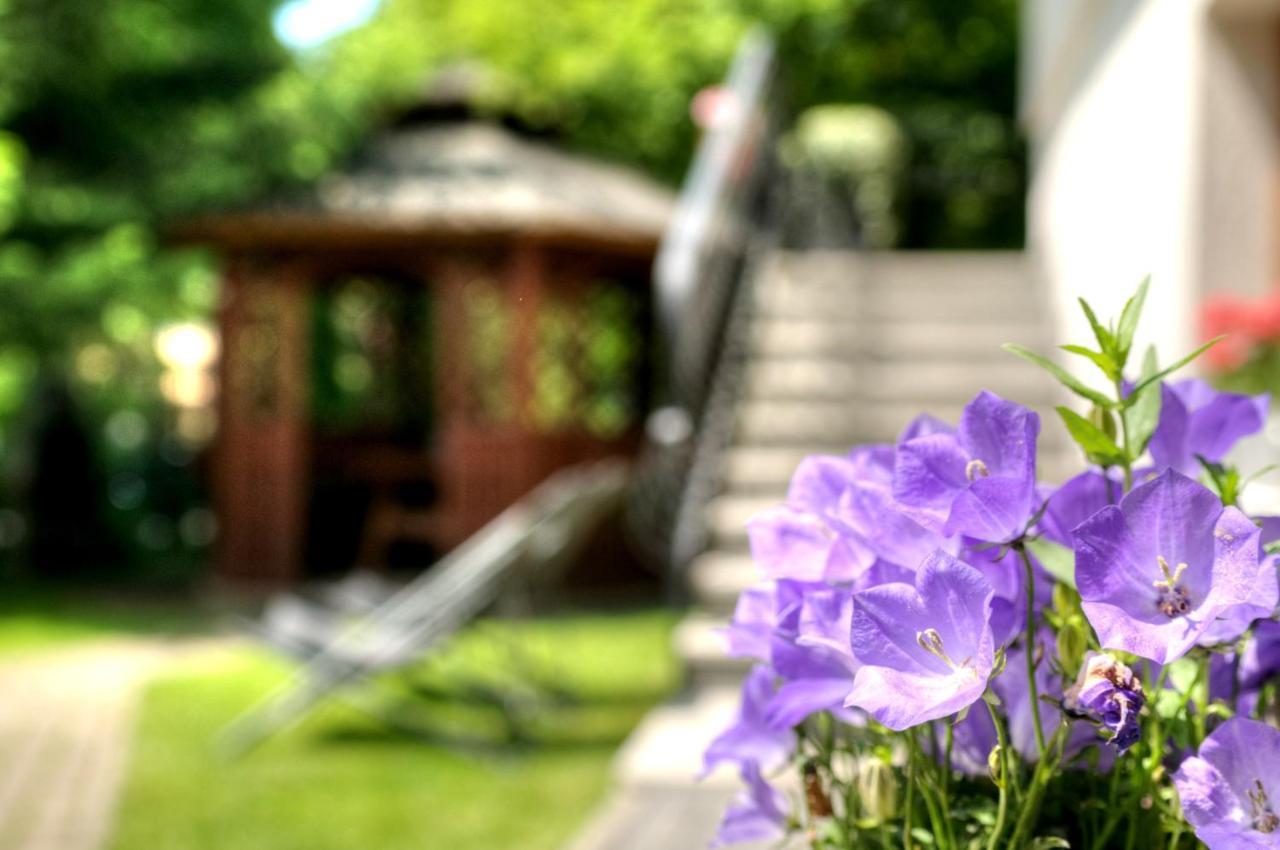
x=1113, y=116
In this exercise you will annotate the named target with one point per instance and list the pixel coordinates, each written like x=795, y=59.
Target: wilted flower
x=1231, y=791
x=926, y=650
x=978, y=480
x=758, y=813
x=1155, y=572
x=1196, y=419
x=1108, y=692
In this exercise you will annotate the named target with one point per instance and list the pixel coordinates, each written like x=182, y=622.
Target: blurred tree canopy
x=117, y=116
x=617, y=79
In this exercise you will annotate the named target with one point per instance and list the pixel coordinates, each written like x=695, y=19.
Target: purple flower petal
x=926, y=650
x=787, y=542
x=758, y=813
x=1230, y=790
x=1195, y=420
x=1002, y=435
x=750, y=738
x=1155, y=572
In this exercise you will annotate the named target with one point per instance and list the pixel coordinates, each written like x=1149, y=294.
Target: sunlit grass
x=343, y=779
x=41, y=617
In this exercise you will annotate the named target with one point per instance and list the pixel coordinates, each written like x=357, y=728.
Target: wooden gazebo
x=422, y=338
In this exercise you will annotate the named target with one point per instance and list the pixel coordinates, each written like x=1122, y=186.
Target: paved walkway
x=66, y=719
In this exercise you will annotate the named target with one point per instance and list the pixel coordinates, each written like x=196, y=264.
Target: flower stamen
x=976, y=469
x=1264, y=819
x=931, y=642
x=1173, y=599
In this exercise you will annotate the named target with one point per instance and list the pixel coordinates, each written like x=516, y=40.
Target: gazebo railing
x=701, y=265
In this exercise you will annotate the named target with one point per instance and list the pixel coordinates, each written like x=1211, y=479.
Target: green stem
x=1005, y=778
x=1031, y=648
x=928, y=789
x=946, y=758
x=910, y=804
x=1200, y=690
x=1124, y=435
x=1045, y=770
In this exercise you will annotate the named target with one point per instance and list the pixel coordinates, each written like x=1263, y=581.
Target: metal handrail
x=694, y=271
x=697, y=275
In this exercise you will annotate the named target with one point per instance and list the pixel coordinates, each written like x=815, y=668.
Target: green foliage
x=117, y=117
x=617, y=79
x=1138, y=407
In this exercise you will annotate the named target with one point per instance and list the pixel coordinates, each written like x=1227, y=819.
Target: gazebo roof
x=455, y=181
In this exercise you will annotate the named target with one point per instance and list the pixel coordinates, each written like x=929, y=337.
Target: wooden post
x=526, y=288
x=262, y=454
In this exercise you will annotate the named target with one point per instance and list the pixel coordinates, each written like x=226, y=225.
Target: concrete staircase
x=845, y=349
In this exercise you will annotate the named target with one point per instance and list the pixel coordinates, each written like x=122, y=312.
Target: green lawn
x=344, y=780
x=38, y=617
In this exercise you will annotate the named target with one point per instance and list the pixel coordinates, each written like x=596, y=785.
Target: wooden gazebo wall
x=264, y=454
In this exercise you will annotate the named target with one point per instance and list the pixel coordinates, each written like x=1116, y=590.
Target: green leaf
x=1106, y=341
x=1176, y=366
x=1129, y=320
x=1101, y=360
x=1064, y=377
x=1096, y=444
x=1142, y=413
x=1050, y=842
x=1057, y=560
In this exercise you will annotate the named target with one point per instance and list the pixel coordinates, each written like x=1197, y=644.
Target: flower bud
x=1071, y=647
x=995, y=766
x=877, y=790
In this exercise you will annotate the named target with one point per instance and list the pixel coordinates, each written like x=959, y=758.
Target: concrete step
x=800, y=423
x=954, y=306
x=955, y=381
x=727, y=519
x=781, y=299
x=802, y=378
x=700, y=643
x=791, y=337
x=667, y=746
x=972, y=271
x=766, y=470
x=978, y=340
x=716, y=578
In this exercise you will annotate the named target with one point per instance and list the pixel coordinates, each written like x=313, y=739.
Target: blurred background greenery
x=120, y=117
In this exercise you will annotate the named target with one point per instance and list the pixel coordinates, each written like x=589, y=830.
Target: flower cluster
x=949, y=652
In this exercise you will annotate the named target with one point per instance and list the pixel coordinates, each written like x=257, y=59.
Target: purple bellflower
x=750, y=738
x=758, y=813
x=1196, y=419
x=1157, y=570
x=1230, y=791
x=1075, y=501
x=1107, y=692
x=811, y=653
x=754, y=619
x=1260, y=660
x=926, y=651
x=977, y=480
x=806, y=538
